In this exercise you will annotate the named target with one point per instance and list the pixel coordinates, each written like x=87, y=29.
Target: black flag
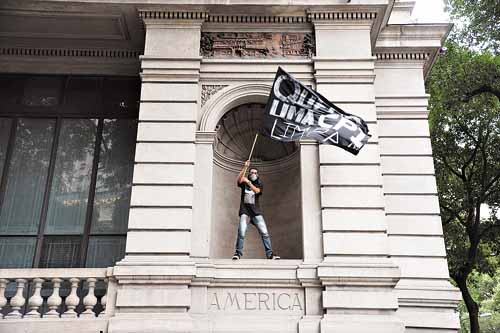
x=294, y=111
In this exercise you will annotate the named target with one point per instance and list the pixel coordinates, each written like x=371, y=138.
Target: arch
x=229, y=98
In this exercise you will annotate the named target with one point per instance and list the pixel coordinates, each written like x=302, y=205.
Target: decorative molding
x=256, y=19
x=208, y=91
x=341, y=16
x=59, y=52
x=269, y=167
x=403, y=56
x=228, y=98
x=257, y=45
x=172, y=15
x=205, y=137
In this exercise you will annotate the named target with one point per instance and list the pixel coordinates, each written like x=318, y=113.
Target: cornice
x=317, y=16
x=353, y=15
x=402, y=56
x=172, y=15
x=67, y=52
x=256, y=19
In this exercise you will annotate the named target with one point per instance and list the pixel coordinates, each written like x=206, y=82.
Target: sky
x=429, y=11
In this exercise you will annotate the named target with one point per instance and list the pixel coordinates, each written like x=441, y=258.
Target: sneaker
x=273, y=257
x=236, y=256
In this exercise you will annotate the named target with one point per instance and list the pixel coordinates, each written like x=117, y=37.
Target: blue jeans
x=257, y=221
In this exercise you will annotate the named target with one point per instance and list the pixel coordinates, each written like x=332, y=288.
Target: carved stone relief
x=256, y=45
x=208, y=91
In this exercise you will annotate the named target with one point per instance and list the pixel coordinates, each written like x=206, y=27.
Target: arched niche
x=279, y=168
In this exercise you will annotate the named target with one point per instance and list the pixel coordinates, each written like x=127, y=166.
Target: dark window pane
x=43, y=91
x=17, y=252
x=121, y=95
x=21, y=208
x=114, y=176
x=105, y=251
x=11, y=89
x=72, y=173
x=60, y=251
x=5, y=125
x=82, y=95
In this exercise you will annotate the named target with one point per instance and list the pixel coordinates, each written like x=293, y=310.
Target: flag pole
x=253, y=146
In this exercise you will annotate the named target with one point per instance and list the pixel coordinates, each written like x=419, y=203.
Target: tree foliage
x=478, y=22
x=485, y=289
x=465, y=132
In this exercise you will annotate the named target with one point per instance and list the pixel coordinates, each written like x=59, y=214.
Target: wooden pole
x=253, y=146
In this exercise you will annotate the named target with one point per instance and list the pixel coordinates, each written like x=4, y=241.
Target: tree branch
x=448, y=166
x=482, y=89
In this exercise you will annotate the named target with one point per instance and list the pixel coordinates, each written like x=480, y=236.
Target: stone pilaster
x=312, y=239
x=358, y=277
x=202, y=210
x=427, y=300
x=154, y=277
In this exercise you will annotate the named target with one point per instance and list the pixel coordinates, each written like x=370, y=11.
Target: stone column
x=153, y=280
x=356, y=273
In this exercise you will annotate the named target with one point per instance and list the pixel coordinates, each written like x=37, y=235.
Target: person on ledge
x=251, y=191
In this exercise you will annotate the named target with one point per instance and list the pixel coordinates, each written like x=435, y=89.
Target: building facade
x=123, y=126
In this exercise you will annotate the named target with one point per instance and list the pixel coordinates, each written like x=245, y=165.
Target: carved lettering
x=264, y=301
x=279, y=301
x=248, y=301
x=255, y=301
x=233, y=299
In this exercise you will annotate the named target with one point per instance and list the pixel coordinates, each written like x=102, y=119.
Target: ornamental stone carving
x=257, y=45
x=208, y=91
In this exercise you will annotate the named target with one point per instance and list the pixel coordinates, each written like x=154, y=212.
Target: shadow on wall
x=279, y=168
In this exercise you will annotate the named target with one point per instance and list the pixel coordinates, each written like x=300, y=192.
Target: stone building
x=123, y=125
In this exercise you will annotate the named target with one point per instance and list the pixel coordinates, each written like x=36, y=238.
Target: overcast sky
x=429, y=11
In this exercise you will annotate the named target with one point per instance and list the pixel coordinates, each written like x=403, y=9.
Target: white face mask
x=253, y=177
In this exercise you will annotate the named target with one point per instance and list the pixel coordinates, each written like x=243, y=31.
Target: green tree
x=478, y=22
x=465, y=132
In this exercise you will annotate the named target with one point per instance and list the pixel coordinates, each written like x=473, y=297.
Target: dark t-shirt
x=249, y=201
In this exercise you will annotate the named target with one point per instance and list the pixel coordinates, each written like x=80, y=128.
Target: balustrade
x=53, y=293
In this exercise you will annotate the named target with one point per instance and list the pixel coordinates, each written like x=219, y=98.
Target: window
x=66, y=161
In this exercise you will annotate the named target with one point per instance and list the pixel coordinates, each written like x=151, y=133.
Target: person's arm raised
x=242, y=173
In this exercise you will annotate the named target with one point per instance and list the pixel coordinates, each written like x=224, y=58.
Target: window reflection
x=44, y=196
x=105, y=251
x=5, y=124
x=17, y=252
x=72, y=174
x=114, y=176
x=60, y=251
x=27, y=175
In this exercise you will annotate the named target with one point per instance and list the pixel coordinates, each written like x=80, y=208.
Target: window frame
x=59, y=113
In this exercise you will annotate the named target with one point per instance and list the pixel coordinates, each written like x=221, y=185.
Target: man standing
x=251, y=191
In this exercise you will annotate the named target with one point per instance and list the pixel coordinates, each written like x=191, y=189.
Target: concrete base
x=56, y=325
x=359, y=323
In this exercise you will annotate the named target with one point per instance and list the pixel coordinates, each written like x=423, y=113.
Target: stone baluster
x=54, y=301
x=72, y=300
x=104, y=299
x=17, y=302
x=90, y=300
x=36, y=300
x=3, y=300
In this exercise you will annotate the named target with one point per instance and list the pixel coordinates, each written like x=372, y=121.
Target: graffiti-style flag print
x=294, y=112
